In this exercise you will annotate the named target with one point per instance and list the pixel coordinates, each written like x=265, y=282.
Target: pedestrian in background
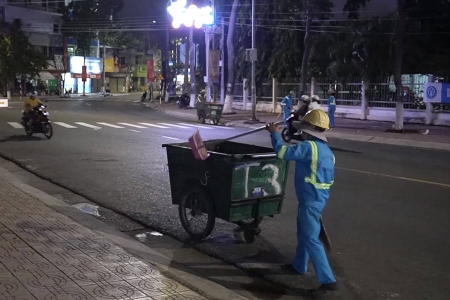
x=331, y=106
x=286, y=105
x=314, y=176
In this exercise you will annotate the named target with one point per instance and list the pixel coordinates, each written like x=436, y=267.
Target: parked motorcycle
x=40, y=122
x=289, y=132
x=144, y=96
x=183, y=100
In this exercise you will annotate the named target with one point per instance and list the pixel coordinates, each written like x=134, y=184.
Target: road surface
x=387, y=216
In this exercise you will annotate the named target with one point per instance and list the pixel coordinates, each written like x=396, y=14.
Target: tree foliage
x=18, y=58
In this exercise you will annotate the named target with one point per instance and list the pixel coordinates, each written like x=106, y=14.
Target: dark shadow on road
x=21, y=138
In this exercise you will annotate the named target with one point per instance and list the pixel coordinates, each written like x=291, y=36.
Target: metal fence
x=380, y=93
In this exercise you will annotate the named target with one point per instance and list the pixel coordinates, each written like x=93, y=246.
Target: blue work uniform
x=314, y=175
x=287, y=106
x=331, y=109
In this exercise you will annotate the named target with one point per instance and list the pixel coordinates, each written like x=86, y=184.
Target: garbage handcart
x=209, y=110
x=238, y=183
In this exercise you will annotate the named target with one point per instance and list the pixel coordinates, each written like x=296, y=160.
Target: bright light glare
x=175, y=24
x=192, y=15
x=198, y=24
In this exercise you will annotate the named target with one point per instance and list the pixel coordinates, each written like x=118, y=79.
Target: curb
x=343, y=136
x=165, y=265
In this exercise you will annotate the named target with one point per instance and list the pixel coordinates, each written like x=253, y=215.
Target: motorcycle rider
x=314, y=176
x=201, y=98
x=315, y=103
x=30, y=104
x=301, y=112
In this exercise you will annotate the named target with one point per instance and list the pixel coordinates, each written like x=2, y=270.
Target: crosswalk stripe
x=64, y=125
x=15, y=125
x=131, y=125
x=196, y=126
x=153, y=125
x=109, y=125
x=173, y=125
x=88, y=125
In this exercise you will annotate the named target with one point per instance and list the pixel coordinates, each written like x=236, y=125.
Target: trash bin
x=238, y=183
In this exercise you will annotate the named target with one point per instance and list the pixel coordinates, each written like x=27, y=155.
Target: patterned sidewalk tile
x=45, y=255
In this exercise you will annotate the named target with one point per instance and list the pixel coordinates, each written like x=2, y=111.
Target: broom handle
x=250, y=132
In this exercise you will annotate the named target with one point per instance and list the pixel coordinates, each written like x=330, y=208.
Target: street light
x=198, y=17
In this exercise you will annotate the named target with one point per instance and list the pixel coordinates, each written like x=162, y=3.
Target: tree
x=230, y=59
x=83, y=20
x=18, y=58
x=61, y=64
x=399, y=38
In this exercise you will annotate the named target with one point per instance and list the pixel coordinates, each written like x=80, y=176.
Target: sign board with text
x=3, y=102
x=436, y=92
x=93, y=67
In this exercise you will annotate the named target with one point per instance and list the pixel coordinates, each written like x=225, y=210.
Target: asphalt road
x=387, y=216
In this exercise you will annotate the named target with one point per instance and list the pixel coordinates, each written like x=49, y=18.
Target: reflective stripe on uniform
x=333, y=102
x=313, y=178
x=282, y=152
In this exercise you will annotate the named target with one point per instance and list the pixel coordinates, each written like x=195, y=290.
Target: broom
x=199, y=148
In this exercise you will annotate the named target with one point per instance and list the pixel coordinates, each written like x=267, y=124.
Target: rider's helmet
x=292, y=94
x=305, y=98
x=33, y=94
x=314, y=123
x=315, y=98
x=203, y=92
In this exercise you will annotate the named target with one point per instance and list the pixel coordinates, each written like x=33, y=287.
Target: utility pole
x=208, y=79
x=192, y=65
x=253, y=59
x=222, y=63
x=104, y=71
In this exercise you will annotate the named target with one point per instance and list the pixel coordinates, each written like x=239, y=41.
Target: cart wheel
x=201, y=117
x=249, y=236
x=197, y=213
x=285, y=135
x=216, y=121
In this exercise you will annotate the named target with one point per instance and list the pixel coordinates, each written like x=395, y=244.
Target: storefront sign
x=93, y=67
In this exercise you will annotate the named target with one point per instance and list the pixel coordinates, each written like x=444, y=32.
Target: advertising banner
x=214, y=68
x=150, y=70
x=93, y=67
x=3, y=102
x=436, y=92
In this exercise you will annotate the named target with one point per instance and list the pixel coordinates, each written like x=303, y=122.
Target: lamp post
x=198, y=17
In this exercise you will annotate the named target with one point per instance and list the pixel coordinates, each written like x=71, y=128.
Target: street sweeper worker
x=314, y=176
x=286, y=105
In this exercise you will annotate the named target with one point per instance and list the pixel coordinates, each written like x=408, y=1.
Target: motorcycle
x=40, y=122
x=289, y=132
x=144, y=96
x=183, y=100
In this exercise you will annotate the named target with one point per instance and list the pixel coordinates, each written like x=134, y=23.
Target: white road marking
x=153, y=125
x=16, y=125
x=170, y=138
x=110, y=125
x=88, y=125
x=173, y=125
x=133, y=130
x=196, y=126
x=131, y=125
x=64, y=125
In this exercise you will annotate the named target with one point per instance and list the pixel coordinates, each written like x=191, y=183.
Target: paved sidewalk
x=46, y=255
x=437, y=138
